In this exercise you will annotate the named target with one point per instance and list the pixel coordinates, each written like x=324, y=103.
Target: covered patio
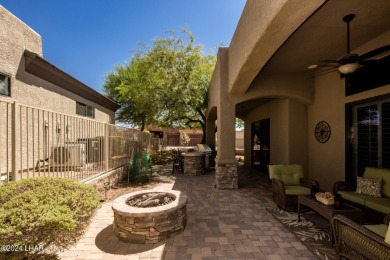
x=266, y=78
x=221, y=224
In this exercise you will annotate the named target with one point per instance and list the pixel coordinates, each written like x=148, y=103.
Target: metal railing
x=38, y=142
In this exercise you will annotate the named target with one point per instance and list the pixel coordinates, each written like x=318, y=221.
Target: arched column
x=226, y=164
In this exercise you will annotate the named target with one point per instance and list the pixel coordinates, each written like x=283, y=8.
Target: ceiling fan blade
x=327, y=66
x=328, y=69
x=375, y=52
x=323, y=70
x=330, y=61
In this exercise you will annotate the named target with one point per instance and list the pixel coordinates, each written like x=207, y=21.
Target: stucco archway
x=211, y=117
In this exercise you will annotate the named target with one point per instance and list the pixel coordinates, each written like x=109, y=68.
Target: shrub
x=159, y=157
x=140, y=168
x=185, y=140
x=51, y=213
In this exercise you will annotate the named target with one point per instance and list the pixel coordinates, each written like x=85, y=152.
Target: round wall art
x=322, y=132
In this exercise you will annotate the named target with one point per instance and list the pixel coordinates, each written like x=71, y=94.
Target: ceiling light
x=312, y=66
x=348, y=68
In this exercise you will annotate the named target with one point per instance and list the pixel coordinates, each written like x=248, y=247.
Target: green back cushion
x=380, y=229
x=288, y=174
x=387, y=237
x=380, y=173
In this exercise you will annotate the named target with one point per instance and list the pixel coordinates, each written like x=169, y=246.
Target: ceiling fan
x=350, y=62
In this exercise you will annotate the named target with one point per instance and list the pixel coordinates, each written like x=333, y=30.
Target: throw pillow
x=387, y=238
x=369, y=186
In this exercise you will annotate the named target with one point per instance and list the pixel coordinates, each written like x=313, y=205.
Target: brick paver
x=221, y=224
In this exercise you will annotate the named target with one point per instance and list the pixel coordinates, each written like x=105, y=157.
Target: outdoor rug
x=314, y=238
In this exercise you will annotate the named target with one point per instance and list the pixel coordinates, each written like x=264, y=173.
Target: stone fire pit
x=154, y=216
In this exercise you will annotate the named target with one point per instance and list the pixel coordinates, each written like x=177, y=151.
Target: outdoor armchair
x=354, y=241
x=288, y=183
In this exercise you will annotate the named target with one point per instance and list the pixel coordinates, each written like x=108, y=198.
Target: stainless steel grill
x=204, y=148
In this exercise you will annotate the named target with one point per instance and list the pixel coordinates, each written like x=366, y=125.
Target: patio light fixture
x=348, y=68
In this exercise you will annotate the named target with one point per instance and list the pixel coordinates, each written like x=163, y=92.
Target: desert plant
x=185, y=140
x=159, y=157
x=140, y=168
x=49, y=213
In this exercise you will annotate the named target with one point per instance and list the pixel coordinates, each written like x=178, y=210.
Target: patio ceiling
x=243, y=108
x=323, y=35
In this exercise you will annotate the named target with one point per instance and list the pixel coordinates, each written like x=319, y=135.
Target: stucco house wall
x=288, y=124
x=262, y=29
x=277, y=112
x=293, y=123
x=326, y=162
x=28, y=89
x=267, y=62
x=42, y=100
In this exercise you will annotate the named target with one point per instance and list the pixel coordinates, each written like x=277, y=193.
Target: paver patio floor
x=221, y=224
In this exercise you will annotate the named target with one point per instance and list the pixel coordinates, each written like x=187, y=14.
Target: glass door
x=369, y=137
x=261, y=145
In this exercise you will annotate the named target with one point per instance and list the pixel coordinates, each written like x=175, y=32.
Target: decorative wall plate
x=322, y=132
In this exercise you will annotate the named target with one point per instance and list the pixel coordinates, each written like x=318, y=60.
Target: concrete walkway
x=221, y=224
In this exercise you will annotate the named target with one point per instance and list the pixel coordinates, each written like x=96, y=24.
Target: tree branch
x=200, y=112
x=189, y=122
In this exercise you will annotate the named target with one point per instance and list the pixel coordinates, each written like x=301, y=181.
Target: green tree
x=165, y=84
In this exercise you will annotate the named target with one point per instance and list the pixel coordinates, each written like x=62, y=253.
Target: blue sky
x=87, y=38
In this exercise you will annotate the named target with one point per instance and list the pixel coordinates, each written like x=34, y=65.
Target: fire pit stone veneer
x=149, y=225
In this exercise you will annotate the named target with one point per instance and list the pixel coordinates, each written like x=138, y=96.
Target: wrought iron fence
x=37, y=142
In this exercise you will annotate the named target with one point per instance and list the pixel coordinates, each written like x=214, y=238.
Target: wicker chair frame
x=353, y=241
x=285, y=201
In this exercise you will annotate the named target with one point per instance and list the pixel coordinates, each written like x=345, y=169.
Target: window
x=84, y=110
x=261, y=144
x=369, y=77
x=5, y=85
x=369, y=136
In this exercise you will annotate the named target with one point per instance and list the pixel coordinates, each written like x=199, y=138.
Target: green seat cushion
x=380, y=173
x=296, y=190
x=288, y=174
x=354, y=197
x=387, y=237
x=380, y=229
x=381, y=205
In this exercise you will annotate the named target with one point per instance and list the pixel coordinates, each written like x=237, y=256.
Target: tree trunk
x=142, y=124
x=203, y=124
x=204, y=133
